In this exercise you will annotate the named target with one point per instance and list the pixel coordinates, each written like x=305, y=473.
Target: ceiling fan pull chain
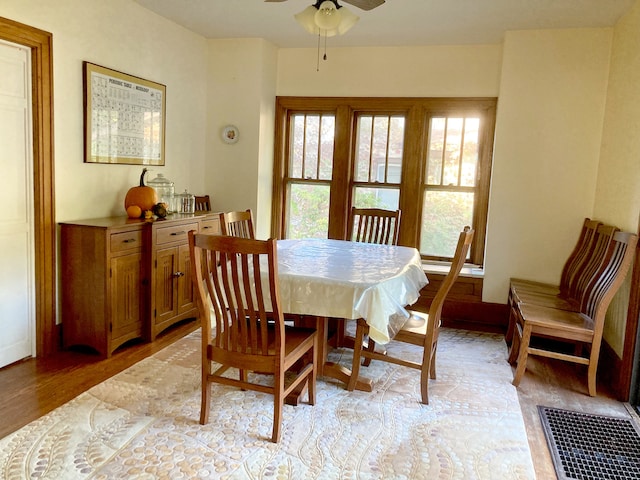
x=318, y=56
x=325, y=46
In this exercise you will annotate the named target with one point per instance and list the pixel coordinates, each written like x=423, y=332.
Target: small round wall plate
x=230, y=134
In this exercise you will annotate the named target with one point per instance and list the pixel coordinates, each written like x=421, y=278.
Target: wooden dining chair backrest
x=237, y=224
x=607, y=279
x=421, y=329
x=579, y=255
x=202, y=203
x=374, y=225
x=595, y=257
x=236, y=283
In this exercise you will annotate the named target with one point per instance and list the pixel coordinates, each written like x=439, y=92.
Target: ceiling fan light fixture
x=306, y=18
x=326, y=18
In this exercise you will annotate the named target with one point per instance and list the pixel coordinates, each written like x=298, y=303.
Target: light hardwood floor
x=557, y=384
x=32, y=388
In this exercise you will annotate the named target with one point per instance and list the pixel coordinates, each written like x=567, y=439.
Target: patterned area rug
x=143, y=424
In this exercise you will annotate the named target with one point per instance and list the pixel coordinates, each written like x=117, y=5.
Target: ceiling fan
x=327, y=18
x=361, y=4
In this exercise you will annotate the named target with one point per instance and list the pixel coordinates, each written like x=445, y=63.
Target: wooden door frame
x=41, y=45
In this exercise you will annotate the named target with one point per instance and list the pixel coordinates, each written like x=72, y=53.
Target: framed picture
x=124, y=118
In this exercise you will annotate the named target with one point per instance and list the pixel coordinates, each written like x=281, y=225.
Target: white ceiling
x=396, y=23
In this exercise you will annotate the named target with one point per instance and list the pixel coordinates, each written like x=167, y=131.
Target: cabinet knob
x=174, y=234
x=178, y=274
x=129, y=240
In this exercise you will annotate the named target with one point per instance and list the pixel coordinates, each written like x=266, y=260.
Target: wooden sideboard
x=123, y=278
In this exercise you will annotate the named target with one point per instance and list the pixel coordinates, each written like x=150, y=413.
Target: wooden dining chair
x=374, y=225
x=237, y=224
x=536, y=325
x=202, y=203
x=367, y=225
x=420, y=329
x=248, y=332
x=572, y=289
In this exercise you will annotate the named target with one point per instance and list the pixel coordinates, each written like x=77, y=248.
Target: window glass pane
x=444, y=215
x=379, y=149
x=308, y=212
x=311, y=150
x=452, y=155
x=328, y=126
x=363, y=149
x=312, y=142
x=436, y=149
x=470, y=152
x=396, y=149
x=297, y=144
x=387, y=198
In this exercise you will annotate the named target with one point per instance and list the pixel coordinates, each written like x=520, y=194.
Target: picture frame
x=124, y=118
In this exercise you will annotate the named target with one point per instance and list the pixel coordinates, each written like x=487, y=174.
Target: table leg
x=329, y=369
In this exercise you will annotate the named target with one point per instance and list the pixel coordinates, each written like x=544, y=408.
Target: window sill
x=468, y=270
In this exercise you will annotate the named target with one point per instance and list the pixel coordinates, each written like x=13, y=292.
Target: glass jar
x=185, y=202
x=165, y=190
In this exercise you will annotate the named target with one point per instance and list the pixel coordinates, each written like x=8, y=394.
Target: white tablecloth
x=340, y=279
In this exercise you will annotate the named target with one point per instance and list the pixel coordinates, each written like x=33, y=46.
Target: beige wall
x=617, y=195
x=118, y=34
x=549, y=124
x=394, y=72
x=241, y=80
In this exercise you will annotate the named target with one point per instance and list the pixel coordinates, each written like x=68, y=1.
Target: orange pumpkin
x=141, y=196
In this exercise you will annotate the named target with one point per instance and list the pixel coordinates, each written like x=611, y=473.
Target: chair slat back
x=202, y=203
x=462, y=249
x=229, y=274
x=609, y=277
x=595, y=256
x=374, y=225
x=579, y=256
x=237, y=224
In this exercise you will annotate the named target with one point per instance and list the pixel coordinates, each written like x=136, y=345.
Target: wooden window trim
x=416, y=111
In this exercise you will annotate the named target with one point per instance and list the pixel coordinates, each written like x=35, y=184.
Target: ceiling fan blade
x=365, y=4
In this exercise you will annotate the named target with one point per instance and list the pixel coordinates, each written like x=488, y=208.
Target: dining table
x=337, y=279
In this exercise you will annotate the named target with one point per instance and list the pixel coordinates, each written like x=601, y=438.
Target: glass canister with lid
x=165, y=190
x=185, y=202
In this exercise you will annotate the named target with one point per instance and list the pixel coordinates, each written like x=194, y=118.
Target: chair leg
x=424, y=387
x=278, y=400
x=593, y=368
x=523, y=354
x=515, y=346
x=432, y=367
x=511, y=323
x=425, y=375
x=371, y=346
x=312, y=376
x=205, y=400
x=357, y=356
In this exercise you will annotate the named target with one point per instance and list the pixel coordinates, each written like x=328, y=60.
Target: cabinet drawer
x=211, y=226
x=177, y=233
x=120, y=242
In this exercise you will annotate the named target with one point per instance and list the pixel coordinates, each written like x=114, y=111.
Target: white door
x=17, y=299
